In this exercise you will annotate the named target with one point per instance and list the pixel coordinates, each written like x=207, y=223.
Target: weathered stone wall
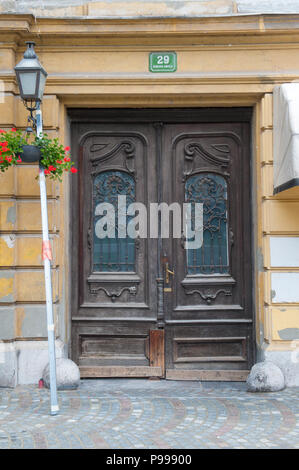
x=147, y=8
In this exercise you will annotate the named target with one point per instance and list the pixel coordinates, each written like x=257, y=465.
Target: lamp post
x=31, y=78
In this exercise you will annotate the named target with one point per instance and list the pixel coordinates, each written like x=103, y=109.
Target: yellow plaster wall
x=280, y=216
x=22, y=285
x=283, y=318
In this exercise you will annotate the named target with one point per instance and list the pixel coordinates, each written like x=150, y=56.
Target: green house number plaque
x=162, y=62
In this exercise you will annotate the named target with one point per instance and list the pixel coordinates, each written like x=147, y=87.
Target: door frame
x=171, y=115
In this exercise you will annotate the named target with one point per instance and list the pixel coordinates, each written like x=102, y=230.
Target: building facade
x=203, y=132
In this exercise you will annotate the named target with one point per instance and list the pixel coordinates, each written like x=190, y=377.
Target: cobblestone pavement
x=144, y=414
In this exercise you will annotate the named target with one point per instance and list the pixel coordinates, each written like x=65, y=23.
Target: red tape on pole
x=46, y=250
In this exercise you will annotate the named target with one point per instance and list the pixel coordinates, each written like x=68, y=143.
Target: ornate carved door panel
x=126, y=293
x=115, y=303
x=208, y=313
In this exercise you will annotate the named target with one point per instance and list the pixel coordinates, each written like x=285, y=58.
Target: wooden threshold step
x=119, y=371
x=212, y=375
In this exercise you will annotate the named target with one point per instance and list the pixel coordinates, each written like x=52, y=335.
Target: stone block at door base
x=67, y=374
x=265, y=377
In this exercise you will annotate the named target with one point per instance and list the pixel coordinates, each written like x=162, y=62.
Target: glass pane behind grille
x=113, y=254
x=211, y=190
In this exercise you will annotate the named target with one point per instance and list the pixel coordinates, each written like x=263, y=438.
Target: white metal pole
x=46, y=251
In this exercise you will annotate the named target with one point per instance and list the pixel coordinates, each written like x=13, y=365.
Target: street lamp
x=31, y=78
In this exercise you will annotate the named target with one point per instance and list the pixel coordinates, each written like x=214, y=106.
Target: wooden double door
x=146, y=306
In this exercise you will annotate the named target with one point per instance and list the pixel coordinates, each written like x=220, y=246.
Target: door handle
x=167, y=272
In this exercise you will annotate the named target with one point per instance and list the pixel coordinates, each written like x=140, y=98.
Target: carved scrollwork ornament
x=137, y=242
x=117, y=188
x=209, y=295
x=196, y=148
x=89, y=242
x=127, y=146
x=231, y=237
x=210, y=190
x=115, y=293
x=183, y=240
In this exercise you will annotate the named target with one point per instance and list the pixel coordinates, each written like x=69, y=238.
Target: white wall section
x=286, y=136
x=285, y=287
x=284, y=252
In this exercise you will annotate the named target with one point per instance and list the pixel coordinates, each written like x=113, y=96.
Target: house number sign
x=162, y=62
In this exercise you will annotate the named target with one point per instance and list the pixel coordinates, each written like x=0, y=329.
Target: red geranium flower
x=14, y=129
x=74, y=170
x=67, y=149
x=67, y=159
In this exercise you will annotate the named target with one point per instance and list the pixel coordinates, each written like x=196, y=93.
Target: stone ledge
x=23, y=362
x=141, y=8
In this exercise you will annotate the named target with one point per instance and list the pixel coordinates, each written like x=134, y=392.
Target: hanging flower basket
x=53, y=158
x=30, y=154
